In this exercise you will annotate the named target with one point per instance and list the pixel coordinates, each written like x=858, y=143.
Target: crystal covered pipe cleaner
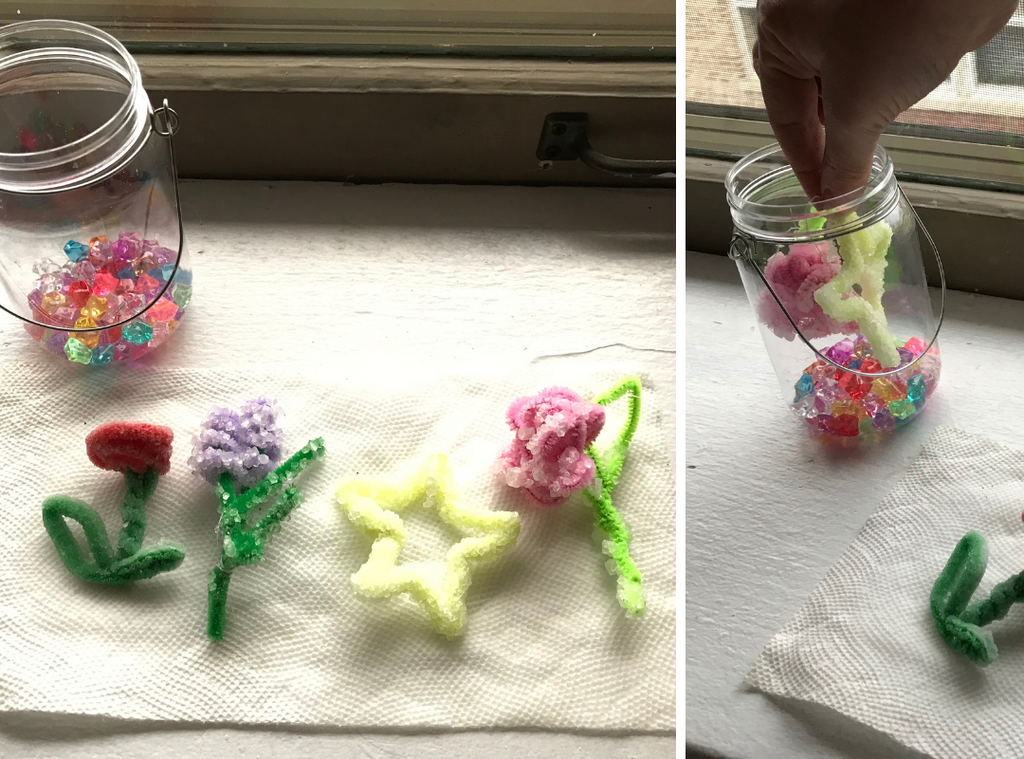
x=959, y=621
x=376, y=507
x=141, y=452
x=237, y=452
x=553, y=456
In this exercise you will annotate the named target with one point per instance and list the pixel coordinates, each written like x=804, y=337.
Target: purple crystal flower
x=245, y=444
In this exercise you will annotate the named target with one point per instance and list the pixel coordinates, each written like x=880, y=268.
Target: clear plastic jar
x=841, y=296
x=92, y=252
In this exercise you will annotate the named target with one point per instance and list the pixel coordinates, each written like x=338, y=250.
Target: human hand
x=852, y=66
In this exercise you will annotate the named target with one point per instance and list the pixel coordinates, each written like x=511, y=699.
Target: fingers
x=792, y=104
x=847, y=161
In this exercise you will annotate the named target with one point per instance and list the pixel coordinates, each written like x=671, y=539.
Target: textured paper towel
x=546, y=644
x=865, y=644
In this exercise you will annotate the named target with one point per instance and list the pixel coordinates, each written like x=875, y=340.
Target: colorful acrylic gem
x=803, y=386
x=103, y=354
x=104, y=283
x=137, y=332
x=883, y=421
x=916, y=390
x=883, y=387
x=146, y=285
x=52, y=301
x=79, y=292
x=76, y=251
x=846, y=425
x=182, y=294
x=77, y=351
x=848, y=406
x=855, y=385
x=95, y=307
x=902, y=408
x=871, y=365
x=916, y=345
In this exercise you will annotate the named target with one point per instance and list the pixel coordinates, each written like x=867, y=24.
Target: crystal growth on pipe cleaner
x=236, y=452
x=553, y=456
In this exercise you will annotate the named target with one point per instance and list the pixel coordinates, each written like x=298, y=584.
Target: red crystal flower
x=130, y=445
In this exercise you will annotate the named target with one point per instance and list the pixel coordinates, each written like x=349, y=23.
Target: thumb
x=846, y=163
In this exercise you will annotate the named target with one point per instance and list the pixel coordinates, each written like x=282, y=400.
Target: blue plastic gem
x=102, y=354
x=126, y=273
x=76, y=251
x=854, y=363
x=184, y=276
x=157, y=273
x=803, y=386
x=137, y=332
x=916, y=390
x=168, y=270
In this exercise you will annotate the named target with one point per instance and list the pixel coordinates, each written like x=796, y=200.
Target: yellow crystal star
x=439, y=587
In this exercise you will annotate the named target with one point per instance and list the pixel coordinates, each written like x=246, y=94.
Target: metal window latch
x=564, y=138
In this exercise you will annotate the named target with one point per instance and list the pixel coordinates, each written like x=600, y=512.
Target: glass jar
x=92, y=252
x=840, y=295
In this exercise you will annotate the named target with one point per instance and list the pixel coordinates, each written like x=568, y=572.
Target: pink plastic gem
x=104, y=283
x=163, y=310
x=916, y=345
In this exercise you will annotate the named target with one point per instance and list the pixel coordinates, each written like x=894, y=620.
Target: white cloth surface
x=865, y=643
x=546, y=643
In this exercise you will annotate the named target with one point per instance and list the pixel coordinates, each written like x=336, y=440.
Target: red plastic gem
x=845, y=425
x=110, y=336
x=78, y=293
x=27, y=139
x=855, y=386
x=104, y=283
x=130, y=445
x=871, y=365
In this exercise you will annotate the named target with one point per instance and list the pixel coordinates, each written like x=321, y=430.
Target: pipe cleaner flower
x=561, y=423
x=235, y=452
x=795, y=277
x=958, y=621
x=548, y=458
x=141, y=452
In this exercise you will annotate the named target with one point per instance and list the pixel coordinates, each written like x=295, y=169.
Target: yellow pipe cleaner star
x=863, y=253
x=440, y=588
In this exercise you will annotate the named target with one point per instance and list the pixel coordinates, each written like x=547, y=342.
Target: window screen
x=982, y=101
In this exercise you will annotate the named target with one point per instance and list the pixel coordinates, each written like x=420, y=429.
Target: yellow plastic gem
x=884, y=389
x=848, y=406
x=95, y=307
x=90, y=339
x=439, y=587
x=52, y=301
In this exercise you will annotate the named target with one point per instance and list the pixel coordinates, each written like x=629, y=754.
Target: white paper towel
x=865, y=643
x=546, y=645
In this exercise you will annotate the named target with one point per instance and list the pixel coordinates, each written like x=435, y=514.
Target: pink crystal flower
x=547, y=458
x=795, y=276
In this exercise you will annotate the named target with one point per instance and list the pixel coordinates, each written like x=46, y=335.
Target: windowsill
x=409, y=74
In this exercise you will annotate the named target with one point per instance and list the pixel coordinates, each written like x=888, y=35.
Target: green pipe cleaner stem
x=130, y=562
x=960, y=622
x=609, y=468
x=241, y=545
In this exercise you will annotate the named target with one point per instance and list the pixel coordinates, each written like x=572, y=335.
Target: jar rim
x=876, y=197
x=114, y=142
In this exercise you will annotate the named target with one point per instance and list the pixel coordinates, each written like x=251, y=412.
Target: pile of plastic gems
x=844, y=404
x=99, y=284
